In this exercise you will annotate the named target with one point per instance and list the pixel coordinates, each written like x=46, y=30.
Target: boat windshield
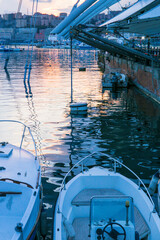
x=105, y=209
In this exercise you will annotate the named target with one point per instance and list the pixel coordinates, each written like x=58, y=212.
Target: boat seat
x=140, y=224
x=70, y=230
x=81, y=227
x=83, y=198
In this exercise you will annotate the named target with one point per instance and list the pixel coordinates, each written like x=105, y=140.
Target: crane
x=19, y=6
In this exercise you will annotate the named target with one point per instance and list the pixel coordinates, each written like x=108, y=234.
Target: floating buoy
x=78, y=108
x=153, y=183
x=82, y=69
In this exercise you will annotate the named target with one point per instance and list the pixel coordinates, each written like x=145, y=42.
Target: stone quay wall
x=147, y=78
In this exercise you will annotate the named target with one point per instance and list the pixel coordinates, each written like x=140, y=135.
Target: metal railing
x=23, y=134
x=115, y=164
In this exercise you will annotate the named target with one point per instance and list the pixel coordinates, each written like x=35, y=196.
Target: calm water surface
x=124, y=124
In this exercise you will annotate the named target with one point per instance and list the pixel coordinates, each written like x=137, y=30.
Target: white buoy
x=78, y=108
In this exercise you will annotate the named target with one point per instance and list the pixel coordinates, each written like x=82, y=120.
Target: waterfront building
x=1, y=21
x=6, y=34
x=9, y=17
x=24, y=35
x=40, y=35
x=53, y=20
x=44, y=20
x=18, y=15
x=21, y=22
x=63, y=16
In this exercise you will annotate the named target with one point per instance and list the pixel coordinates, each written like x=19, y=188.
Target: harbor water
x=124, y=124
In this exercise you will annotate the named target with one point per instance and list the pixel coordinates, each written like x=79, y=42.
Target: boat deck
x=18, y=165
x=19, y=187
x=83, y=199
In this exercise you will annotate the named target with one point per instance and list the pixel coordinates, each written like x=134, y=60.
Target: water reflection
x=120, y=128
x=27, y=88
x=7, y=74
x=124, y=124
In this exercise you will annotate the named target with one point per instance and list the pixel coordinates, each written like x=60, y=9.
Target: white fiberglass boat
x=115, y=80
x=10, y=49
x=20, y=190
x=102, y=204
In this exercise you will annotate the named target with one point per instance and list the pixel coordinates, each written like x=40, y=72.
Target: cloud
x=64, y=9
x=45, y=1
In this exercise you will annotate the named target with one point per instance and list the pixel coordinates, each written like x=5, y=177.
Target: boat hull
x=35, y=232
x=74, y=202
x=20, y=190
x=114, y=80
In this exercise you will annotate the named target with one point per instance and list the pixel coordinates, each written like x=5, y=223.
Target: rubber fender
x=153, y=183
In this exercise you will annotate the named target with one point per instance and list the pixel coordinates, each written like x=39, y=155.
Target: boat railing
x=115, y=164
x=23, y=134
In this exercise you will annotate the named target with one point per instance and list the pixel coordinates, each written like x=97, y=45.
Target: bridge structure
x=143, y=17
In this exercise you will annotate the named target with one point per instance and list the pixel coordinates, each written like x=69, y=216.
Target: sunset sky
x=44, y=6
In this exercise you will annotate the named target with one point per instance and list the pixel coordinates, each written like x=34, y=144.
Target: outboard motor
x=153, y=182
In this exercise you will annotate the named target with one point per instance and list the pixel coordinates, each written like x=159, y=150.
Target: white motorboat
x=10, y=49
x=115, y=80
x=20, y=189
x=17, y=49
x=100, y=203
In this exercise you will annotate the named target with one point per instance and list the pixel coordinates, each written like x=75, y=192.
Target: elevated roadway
x=142, y=17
